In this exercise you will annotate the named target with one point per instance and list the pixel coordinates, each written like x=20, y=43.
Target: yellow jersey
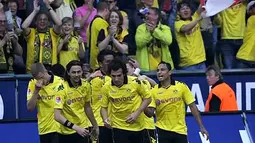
x=45, y=104
x=96, y=33
x=247, y=50
x=233, y=21
x=170, y=106
x=72, y=53
x=123, y=101
x=96, y=98
x=72, y=104
x=191, y=44
x=30, y=38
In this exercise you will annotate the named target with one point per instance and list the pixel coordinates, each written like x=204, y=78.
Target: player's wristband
x=68, y=124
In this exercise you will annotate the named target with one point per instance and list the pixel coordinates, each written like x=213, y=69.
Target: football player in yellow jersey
x=127, y=98
x=71, y=105
x=149, y=127
x=169, y=99
x=98, y=79
x=41, y=94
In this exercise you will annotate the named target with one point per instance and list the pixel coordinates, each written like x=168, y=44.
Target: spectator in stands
x=232, y=22
x=117, y=38
x=152, y=40
x=9, y=47
x=84, y=15
x=58, y=70
x=66, y=9
x=13, y=7
x=96, y=32
x=113, y=6
x=129, y=6
x=42, y=40
x=221, y=97
x=41, y=93
x=169, y=99
x=53, y=3
x=246, y=54
x=70, y=47
x=189, y=38
x=4, y=4
x=142, y=6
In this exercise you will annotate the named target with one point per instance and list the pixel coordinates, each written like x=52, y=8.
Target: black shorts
x=148, y=135
x=49, y=138
x=73, y=138
x=171, y=137
x=124, y=136
x=105, y=135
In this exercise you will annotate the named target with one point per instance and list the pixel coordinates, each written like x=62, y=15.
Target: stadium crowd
x=150, y=31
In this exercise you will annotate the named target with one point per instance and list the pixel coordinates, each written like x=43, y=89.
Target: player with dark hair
x=125, y=98
x=169, y=99
x=71, y=105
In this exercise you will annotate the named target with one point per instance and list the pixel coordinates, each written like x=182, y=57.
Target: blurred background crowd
x=55, y=32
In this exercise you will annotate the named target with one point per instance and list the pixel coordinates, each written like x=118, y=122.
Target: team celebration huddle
x=114, y=104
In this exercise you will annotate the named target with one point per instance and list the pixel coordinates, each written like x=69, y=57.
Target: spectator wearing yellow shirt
x=232, y=22
x=42, y=40
x=117, y=39
x=246, y=54
x=168, y=104
x=97, y=32
x=189, y=38
x=152, y=40
x=70, y=46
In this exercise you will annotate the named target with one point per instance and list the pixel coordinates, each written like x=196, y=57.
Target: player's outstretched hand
x=94, y=133
x=204, y=133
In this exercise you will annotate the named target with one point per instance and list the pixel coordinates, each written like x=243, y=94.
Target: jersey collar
x=71, y=85
x=217, y=83
x=51, y=77
x=172, y=82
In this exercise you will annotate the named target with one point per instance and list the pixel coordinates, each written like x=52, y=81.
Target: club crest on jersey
x=58, y=100
x=69, y=102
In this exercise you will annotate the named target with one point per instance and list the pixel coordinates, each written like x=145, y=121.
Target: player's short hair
x=168, y=65
x=14, y=1
x=117, y=64
x=42, y=13
x=37, y=68
x=101, y=6
x=215, y=69
x=103, y=53
x=69, y=66
x=58, y=70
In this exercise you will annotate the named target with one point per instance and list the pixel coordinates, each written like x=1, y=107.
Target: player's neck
x=166, y=83
x=75, y=84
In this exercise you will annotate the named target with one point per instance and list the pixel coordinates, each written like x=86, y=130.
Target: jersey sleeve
x=143, y=90
x=89, y=92
x=105, y=97
x=30, y=89
x=187, y=95
x=60, y=99
x=178, y=25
